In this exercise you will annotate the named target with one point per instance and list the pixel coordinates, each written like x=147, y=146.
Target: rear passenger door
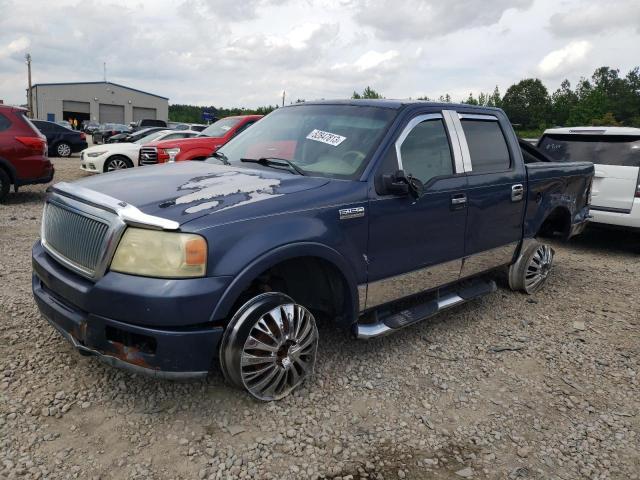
x=495, y=193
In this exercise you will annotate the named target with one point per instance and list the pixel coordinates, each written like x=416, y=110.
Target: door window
x=4, y=123
x=425, y=152
x=487, y=146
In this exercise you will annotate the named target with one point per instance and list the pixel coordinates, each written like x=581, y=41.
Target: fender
x=195, y=153
x=10, y=169
x=286, y=252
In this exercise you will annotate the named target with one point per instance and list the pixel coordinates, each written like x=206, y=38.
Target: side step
x=387, y=323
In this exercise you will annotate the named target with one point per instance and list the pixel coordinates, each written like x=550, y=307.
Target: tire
x=5, y=185
x=269, y=347
x=63, y=149
x=117, y=162
x=531, y=270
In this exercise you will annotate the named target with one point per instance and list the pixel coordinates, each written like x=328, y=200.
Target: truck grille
x=148, y=156
x=76, y=238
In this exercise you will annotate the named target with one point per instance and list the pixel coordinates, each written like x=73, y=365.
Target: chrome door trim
x=477, y=116
x=455, y=141
x=488, y=259
x=406, y=284
x=462, y=140
x=407, y=130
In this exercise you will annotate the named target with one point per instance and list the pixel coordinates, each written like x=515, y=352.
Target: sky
x=244, y=53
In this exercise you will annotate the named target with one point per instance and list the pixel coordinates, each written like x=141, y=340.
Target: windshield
x=220, y=128
x=620, y=150
x=322, y=140
x=149, y=138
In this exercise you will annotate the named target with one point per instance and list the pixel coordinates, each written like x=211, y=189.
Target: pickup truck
x=372, y=215
x=200, y=147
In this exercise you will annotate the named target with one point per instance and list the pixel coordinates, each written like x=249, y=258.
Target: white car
x=615, y=151
x=117, y=156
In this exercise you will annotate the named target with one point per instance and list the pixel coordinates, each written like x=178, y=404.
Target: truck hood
x=184, y=191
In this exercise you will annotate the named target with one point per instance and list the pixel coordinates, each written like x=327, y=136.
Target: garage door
x=72, y=106
x=111, y=113
x=140, y=113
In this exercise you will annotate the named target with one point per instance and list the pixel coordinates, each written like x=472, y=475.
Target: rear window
x=4, y=122
x=604, y=150
x=487, y=146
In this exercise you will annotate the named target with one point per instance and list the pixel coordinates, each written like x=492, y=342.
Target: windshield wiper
x=221, y=156
x=275, y=163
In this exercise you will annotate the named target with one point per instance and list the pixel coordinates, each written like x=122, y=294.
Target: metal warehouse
x=103, y=102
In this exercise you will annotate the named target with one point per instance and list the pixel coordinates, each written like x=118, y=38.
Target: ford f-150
x=370, y=214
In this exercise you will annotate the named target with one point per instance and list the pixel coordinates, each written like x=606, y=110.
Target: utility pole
x=283, y=95
x=104, y=70
x=29, y=97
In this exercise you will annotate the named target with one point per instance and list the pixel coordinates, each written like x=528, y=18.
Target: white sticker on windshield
x=326, y=137
x=225, y=127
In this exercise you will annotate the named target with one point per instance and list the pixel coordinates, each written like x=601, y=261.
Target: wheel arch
x=558, y=220
x=116, y=155
x=279, y=256
x=9, y=170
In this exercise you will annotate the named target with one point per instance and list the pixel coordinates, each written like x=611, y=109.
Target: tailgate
x=614, y=187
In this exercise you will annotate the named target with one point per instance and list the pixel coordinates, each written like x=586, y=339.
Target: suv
x=200, y=147
x=23, y=151
x=148, y=122
x=61, y=140
x=370, y=214
x=615, y=151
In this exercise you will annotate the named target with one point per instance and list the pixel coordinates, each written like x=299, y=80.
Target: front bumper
x=111, y=318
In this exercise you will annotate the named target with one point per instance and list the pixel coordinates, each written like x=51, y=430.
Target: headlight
x=172, y=152
x=153, y=253
x=96, y=154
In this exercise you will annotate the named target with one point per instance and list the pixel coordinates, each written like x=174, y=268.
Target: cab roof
x=392, y=104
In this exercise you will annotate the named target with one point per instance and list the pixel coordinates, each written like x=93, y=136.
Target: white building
x=102, y=102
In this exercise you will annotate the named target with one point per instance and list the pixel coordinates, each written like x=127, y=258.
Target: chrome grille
x=76, y=238
x=148, y=156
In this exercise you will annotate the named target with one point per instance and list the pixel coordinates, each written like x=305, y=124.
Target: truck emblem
x=347, y=213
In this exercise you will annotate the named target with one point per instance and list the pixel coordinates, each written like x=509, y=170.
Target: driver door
x=417, y=245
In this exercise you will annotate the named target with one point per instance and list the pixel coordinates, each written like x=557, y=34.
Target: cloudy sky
x=245, y=52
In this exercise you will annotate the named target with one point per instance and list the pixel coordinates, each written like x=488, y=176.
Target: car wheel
x=63, y=149
x=269, y=347
x=5, y=184
x=117, y=163
x=532, y=269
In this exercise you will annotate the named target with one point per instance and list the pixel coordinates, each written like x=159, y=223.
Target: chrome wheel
x=63, y=150
x=117, y=164
x=269, y=347
x=538, y=268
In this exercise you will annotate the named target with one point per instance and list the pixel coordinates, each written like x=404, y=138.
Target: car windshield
x=149, y=138
x=220, y=128
x=621, y=150
x=319, y=140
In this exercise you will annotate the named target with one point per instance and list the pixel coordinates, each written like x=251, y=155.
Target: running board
x=386, y=324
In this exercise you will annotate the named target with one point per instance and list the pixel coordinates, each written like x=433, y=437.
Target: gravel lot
x=508, y=386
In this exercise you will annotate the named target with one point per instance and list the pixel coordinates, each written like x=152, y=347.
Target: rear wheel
x=63, y=149
x=5, y=184
x=269, y=347
x=530, y=272
x=117, y=163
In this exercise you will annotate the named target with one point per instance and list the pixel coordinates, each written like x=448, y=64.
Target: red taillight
x=83, y=136
x=36, y=143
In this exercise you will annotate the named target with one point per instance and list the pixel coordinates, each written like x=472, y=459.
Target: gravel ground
x=508, y=386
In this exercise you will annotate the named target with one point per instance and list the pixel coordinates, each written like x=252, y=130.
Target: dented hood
x=185, y=191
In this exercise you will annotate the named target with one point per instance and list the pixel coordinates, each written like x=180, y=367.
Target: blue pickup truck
x=373, y=215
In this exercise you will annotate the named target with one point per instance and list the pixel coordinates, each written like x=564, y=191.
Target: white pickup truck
x=615, y=151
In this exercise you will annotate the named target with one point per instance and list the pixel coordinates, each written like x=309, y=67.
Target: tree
x=527, y=104
x=470, y=100
x=366, y=93
x=495, y=100
x=563, y=101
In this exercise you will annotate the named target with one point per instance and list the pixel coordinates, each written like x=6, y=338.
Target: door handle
x=458, y=201
x=517, y=192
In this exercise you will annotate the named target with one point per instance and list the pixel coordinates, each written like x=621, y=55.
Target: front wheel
x=117, y=163
x=531, y=270
x=269, y=347
x=63, y=149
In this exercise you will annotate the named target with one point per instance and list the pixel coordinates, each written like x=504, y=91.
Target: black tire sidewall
x=5, y=185
x=117, y=157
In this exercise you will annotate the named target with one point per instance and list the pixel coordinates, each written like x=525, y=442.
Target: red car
x=23, y=151
x=196, y=148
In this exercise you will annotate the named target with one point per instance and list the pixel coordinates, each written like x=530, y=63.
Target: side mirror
x=400, y=184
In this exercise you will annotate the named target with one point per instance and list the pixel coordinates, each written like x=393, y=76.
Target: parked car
x=107, y=130
x=65, y=124
x=118, y=156
x=615, y=151
x=89, y=127
x=148, y=122
x=133, y=136
x=200, y=147
x=372, y=214
x=62, y=141
x=198, y=127
x=23, y=152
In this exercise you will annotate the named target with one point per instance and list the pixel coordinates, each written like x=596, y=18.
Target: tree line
x=606, y=98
